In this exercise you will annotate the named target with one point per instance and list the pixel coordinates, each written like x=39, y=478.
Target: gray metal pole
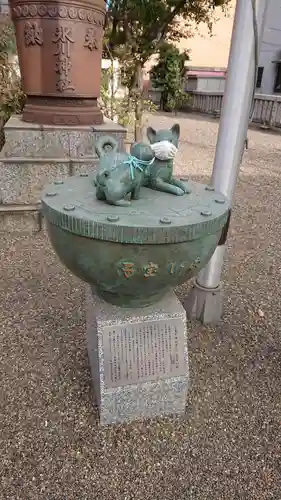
x=204, y=301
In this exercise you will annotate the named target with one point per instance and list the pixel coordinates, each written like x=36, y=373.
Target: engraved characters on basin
x=129, y=269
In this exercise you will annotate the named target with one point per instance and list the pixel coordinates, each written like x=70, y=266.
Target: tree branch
x=169, y=19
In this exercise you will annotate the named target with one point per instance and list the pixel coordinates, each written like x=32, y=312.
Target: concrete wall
x=191, y=83
x=205, y=84
x=211, y=84
x=271, y=46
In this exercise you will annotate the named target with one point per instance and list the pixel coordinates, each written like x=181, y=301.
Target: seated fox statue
x=164, y=143
x=121, y=175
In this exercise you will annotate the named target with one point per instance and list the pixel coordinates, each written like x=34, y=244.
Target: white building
x=213, y=51
x=269, y=77
x=269, y=71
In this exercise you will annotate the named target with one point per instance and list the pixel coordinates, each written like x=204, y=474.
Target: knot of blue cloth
x=136, y=164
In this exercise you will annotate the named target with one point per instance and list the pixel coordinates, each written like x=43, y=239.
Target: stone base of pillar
x=34, y=155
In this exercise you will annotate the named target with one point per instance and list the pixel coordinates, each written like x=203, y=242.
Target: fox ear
x=151, y=134
x=176, y=130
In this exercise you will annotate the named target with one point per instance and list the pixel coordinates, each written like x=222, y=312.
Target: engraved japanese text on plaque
x=141, y=353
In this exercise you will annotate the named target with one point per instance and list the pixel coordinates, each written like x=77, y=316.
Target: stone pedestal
x=138, y=359
x=34, y=155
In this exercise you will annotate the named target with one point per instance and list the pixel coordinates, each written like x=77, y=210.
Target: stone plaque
x=135, y=353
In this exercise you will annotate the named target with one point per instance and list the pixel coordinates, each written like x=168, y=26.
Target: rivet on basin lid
x=112, y=218
x=220, y=200
x=69, y=208
x=51, y=193
x=206, y=213
x=58, y=182
x=84, y=174
x=165, y=220
x=209, y=188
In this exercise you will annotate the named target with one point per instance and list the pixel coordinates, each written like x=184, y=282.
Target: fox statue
x=164, y=143
x=121, y=175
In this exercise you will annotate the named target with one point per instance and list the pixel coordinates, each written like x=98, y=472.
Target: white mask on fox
x=164, y=150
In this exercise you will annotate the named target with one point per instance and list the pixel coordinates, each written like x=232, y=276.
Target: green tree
x=136, y=29
x=7, y=35
x=169, y=75
x=11, y=93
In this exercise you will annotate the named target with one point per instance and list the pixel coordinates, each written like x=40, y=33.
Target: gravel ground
x=228, y=445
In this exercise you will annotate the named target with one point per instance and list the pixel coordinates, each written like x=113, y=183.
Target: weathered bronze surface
x=59, y=47
x=132, y=255
x=123, y=174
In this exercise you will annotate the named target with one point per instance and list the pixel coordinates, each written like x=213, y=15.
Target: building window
x=259, y=77
x=277, y=85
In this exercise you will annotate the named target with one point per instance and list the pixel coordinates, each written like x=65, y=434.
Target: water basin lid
x=156, y=218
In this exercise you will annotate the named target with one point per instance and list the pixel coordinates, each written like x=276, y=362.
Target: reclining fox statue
x=121, y=175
